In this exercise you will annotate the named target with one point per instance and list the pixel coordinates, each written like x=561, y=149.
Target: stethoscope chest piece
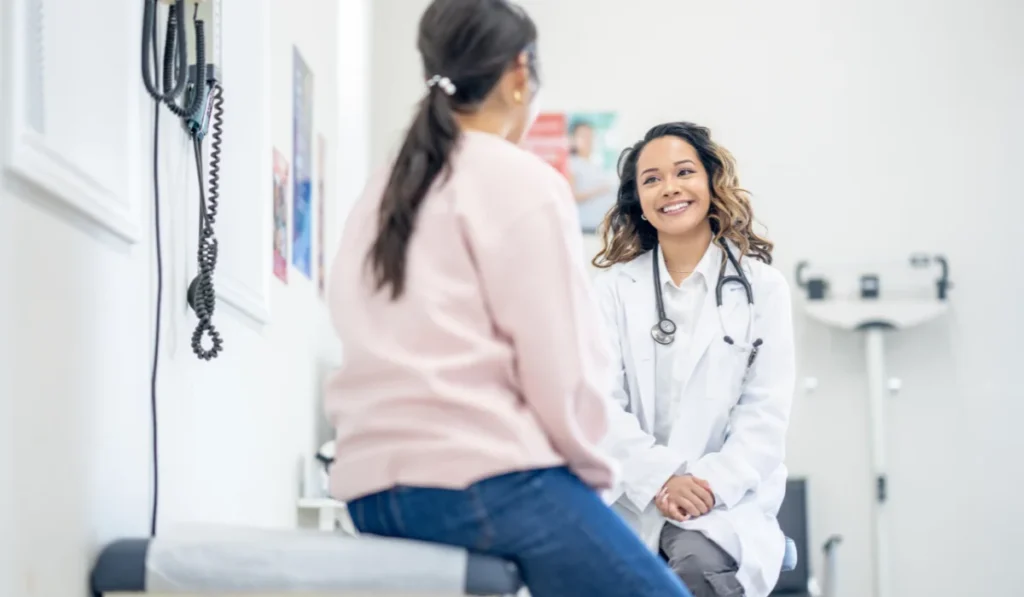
x=664, y=332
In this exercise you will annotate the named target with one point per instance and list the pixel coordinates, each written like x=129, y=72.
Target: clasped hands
x=684, y=497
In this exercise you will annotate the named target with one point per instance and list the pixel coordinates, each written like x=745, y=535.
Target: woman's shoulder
x=767, y=277
x=608, y=279
x=516, y=167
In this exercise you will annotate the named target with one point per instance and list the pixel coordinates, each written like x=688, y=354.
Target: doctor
x=703, y=386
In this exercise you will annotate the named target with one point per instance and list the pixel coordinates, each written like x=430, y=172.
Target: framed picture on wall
x=302, y=183
x=321, y=155
x=280, y=216
x=584, y=147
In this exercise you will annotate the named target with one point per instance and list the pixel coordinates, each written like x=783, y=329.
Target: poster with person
x=585, y=148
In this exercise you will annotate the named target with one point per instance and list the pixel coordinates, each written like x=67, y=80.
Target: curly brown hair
x=626, y=235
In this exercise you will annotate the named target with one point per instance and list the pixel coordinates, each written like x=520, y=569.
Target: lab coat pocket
x=731, y=371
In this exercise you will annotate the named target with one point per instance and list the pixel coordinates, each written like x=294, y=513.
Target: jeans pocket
x=449, y=516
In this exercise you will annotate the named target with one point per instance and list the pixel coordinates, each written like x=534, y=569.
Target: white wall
x=866, y=130
x=78, y=293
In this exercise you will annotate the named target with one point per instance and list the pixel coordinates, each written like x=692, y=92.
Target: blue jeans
x=562, y=536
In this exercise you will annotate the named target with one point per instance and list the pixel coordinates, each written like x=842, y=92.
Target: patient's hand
x=684, y=497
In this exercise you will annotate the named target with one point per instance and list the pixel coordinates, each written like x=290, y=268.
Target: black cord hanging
x=201, y=294
x=165, y=90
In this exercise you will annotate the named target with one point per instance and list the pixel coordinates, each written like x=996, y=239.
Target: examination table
x=237, y=561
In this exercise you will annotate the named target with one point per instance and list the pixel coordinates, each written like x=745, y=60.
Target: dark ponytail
x=466, y=46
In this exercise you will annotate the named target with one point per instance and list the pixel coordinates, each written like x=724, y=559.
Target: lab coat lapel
x=641, y=316
x=706, y=330
x=709, y=326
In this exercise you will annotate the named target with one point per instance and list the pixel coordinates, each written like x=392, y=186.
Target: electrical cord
x=156, y=334
x=202, y=296
x=198, y=91
x=175, y=62
x=176, y=74
x=159, y=98
x=180, y=68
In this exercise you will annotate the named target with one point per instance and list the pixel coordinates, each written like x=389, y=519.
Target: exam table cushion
x=233, y=560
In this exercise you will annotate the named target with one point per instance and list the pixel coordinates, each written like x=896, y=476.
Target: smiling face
x=672, y=184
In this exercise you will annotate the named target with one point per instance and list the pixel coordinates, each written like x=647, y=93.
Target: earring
x=518, y=96
x=643, y=217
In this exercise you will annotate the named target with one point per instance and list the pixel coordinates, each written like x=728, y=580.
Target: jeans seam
x=359, y=518
x=486, y=528
x=396, y=513
x=600, y=545
x=385, y=528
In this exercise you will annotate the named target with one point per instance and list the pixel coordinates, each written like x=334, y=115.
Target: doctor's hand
x=684, y=497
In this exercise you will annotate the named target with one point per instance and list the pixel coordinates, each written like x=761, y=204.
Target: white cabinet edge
x=27, y=154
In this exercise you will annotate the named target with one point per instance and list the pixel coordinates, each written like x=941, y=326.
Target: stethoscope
x=664, y=332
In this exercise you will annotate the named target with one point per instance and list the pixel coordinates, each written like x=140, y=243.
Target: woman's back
x=471, y=400
x=429, y=391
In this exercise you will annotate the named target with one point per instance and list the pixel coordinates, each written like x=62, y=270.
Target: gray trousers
x=703, y=566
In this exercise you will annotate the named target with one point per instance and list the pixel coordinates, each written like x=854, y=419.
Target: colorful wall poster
x=321, y=144
x=302, y=187
x=280, y=216
x=549, y=139
x=584, y=147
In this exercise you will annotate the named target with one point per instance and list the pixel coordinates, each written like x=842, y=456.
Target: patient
x=469, y=406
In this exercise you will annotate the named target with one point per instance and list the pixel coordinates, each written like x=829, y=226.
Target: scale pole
x=874, y=343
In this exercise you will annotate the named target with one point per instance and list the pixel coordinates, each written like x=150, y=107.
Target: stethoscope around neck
x=664, y=332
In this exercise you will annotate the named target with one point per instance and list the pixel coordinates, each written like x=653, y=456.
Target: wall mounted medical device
x=875, y=309
x=187, y=85
x=201, y=109
x=818, y=287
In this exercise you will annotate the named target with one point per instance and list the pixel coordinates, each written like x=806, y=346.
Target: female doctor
x=701, y=327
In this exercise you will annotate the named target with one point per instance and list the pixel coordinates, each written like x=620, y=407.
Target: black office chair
x=797, y=580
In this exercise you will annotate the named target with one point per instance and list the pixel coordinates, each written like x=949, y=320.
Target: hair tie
x=444, y=83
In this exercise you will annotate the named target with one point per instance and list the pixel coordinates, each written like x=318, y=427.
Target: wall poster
x=302, y=187
x=280, y=216
x=584, y=147
x=321, y=145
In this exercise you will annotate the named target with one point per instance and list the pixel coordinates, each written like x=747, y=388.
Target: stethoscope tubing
x=664, y=331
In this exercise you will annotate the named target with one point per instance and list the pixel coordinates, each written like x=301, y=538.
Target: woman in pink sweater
x=469, y=405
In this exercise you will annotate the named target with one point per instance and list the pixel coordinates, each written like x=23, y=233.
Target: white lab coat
x=730, y=430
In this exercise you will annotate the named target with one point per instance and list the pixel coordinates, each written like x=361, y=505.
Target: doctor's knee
x=703, y=567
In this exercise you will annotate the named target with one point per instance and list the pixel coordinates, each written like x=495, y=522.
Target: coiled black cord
x=174, y=72
x=195, y=100
x=217, y=124
x=202, y=296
